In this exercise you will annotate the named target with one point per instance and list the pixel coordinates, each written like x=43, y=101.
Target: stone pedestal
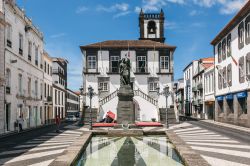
x=125, y=108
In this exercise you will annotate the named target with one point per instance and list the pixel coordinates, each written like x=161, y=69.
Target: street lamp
x=165, y=93
x=90, y=94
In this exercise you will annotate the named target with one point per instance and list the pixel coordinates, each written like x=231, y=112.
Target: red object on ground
x=111, y=114
x=104, y=124
x=147, y=124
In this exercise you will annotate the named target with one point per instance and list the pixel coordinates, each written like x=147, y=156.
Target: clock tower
x=152, y=26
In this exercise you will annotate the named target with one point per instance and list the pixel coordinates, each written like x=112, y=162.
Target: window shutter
x=224, y=47
x=229, y=74
x=219, y=52
x=241, y=70
x=240, y=44
x=247, y=65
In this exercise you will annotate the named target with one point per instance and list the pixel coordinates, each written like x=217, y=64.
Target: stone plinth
x=125, y=108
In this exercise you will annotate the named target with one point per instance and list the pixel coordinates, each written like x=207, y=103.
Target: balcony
x=58, y=72
x=194, y=89
x=7, y=90
x=195, y=103
x=200, y=86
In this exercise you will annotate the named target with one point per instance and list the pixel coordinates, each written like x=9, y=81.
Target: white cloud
x=58, y=35
x=81, y=9
x=121, y=14
x=205, y=3
x=195, y=13
x=116, y=7
x=232, y=6
x=171, y=25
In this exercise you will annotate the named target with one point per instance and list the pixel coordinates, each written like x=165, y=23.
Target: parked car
x=71, y=118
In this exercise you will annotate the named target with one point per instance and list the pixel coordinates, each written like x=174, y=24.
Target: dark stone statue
x=124, y=71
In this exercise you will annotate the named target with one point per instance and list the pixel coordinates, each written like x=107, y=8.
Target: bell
x=151, y=30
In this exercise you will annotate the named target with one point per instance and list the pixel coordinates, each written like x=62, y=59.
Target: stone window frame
x=229, y=75
x=20, y=44
x=114, y=53
x=241, y=35
x=248, y=66
x=94, y=65
x=103, y=84
x=9, y=34
x=219, y=52
x=247, y=30
x=166, y=62
x=241, y=70
x=153, y=81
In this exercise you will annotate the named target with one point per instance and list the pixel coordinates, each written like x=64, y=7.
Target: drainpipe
x=4, y=97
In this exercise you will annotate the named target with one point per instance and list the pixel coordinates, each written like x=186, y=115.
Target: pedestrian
x=58, y=124
x=20, y=123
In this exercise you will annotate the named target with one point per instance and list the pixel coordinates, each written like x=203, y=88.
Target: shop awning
x=219, y=98
x=230, y=97
x=241, y=94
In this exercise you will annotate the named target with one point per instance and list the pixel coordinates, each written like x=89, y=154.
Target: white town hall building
x=151, y=67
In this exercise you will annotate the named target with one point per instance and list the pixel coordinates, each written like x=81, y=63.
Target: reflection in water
x=129, y=151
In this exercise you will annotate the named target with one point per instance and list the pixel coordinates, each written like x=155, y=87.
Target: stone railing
x=108, y=98
x=146, y=97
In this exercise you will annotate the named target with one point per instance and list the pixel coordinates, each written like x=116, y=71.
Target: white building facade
x=208, y=101
x=2, y=69
x=23, y=69
x=59, y=75
x=151, y=67
x=47, y=116
x=73, y=103
x=232, y=71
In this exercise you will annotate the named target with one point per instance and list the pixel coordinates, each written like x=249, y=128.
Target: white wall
x=236, y=53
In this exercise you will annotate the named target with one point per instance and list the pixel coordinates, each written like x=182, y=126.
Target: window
x=220, y=79
x=114, y=64
x=248, y=66
x=29, y=50
x=164, y=62
x=91, y=62
x=36, y=56
x=224, y=77
x=45, y=67
x=20, y=44
x=103, y=86
x=153, y=86
x=141, y=64
x=9, y=35
x=241, y=70
x=229, y=75
x=29, y=87
x=219, y=52
x=241, y=35
x=41, y=90
x=224, y=49
x=248, y=29
x=36, y=89
x=8, y=83
x=45, y=95
x=20, y=84
x=229, y=47
x=151, y=29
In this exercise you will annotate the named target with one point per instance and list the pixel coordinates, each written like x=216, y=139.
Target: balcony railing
x=194, y=88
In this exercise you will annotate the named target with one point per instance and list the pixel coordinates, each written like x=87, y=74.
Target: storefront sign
x=241, y=94
x=219, y=98
x=230, y=97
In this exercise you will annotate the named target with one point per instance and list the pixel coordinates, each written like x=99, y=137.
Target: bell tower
x=152, y=26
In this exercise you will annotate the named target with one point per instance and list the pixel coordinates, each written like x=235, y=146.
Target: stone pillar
x=125, y=110
x=2, y=68
x=217, y=110
x=248, y=109
x=226, y=109
x=236, y=109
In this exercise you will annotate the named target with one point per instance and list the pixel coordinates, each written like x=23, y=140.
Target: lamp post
x=82, y=93
x=90, y=94
x=165, y=93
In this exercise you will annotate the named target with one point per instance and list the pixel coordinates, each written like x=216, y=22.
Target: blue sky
x=66, y=24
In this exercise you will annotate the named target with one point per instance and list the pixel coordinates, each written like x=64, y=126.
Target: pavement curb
x=188, y=155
